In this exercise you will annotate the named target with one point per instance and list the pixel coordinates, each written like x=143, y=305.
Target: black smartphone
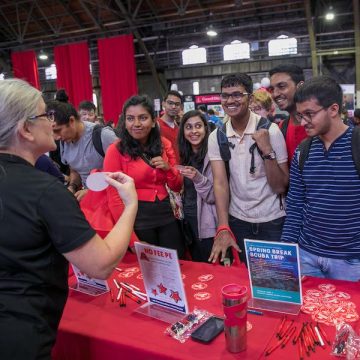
x=209, y=330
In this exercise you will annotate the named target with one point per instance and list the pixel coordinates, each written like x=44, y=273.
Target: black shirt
x=39, y=220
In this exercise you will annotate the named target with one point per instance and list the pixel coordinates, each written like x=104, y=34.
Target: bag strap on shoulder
x=96, y=139
x=304, y=149
x=224, y=147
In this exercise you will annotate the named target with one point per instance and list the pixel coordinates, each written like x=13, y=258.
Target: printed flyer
x=274, y=271
x=162, y=277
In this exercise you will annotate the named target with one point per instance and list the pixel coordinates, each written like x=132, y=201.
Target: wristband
x=224, y=228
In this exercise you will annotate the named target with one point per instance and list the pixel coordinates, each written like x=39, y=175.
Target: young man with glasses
x=284, y=80
x=323, y=202
x=168, y=123
x=248, y=203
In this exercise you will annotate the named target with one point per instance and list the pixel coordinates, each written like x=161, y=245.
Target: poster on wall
x=348, y=98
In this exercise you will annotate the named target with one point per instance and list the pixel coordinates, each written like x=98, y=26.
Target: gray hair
x=18, y=101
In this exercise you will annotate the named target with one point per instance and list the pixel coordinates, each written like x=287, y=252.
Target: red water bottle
x=235, y=310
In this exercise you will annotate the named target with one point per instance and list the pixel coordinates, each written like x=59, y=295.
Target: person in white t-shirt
x=249, y=203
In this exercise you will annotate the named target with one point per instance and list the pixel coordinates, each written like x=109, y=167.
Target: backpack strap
x=304, y=149
x=263, y=123
x=224, y=147
x=96, y=139
x=355, y=147
x=284, y=126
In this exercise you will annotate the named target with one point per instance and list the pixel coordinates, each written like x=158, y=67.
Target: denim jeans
x=267, y=231
x=318, y=266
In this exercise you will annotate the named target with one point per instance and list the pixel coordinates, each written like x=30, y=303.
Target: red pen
x=288, y=336
x=303, y=343
x=297, y=336
x=271, y=350
x=286, y=331
x=281, y=326
x=300, y=348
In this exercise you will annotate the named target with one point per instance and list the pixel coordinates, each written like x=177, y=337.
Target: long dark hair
x=128, y=145
x=185, y=149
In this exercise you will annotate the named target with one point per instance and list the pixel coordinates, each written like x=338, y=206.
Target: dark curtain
x=25, y=67
x=73, y=71
x=117, y=74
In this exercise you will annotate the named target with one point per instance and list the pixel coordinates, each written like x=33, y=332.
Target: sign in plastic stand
x=163, y=283
x=87, y=284
x=275, y=278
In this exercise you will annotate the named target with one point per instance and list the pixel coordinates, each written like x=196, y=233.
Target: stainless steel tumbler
x=235, y=310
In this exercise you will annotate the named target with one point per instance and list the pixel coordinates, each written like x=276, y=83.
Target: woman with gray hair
x=42, y=228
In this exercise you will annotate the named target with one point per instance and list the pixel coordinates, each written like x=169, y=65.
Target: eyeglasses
x=172, y=103
x=50, y=115
x=237, y=95
x=308, y=116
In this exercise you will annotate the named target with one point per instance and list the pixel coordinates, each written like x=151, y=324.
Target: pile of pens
x=307, y=336
x=126, y=290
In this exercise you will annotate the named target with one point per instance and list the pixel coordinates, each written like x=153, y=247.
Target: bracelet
x=224, y=228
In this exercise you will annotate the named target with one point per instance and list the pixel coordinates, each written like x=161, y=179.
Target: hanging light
x=211, y=31
x=329, y=16
x=43, y=55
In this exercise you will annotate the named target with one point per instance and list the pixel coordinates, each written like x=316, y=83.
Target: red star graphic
x=162, y=289
x=175, y=296
x=154, y=291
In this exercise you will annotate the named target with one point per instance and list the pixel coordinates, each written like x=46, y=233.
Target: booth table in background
x=97, y=328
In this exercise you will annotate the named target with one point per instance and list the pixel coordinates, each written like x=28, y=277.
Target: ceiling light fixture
x=329, y=16
x=43, y=55
x=211, y=32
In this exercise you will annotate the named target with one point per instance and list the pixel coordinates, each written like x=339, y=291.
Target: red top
x=294, y=135
x=149, y=182
x=170, y=134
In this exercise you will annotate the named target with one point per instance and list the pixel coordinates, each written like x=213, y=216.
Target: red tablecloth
x=96, y=328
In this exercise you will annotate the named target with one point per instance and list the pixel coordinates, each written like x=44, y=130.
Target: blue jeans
x=318, y=266
x=267, y=231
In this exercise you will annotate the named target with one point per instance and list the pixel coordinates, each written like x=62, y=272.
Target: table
x=96, y=328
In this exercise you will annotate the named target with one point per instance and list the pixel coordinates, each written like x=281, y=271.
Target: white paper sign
x=162, y=277
x=89, y=285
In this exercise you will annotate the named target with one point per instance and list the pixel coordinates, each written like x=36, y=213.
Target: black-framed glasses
x=172, y=103
x=308, y=116
x=50, y=115
x=237, y=95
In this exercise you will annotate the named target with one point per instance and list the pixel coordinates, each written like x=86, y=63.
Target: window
x=194, y=55
x=196, y=88
x=50, y=72
x=282, y=45
x=236, y=50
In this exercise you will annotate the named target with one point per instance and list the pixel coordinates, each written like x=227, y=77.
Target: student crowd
x=233, y=180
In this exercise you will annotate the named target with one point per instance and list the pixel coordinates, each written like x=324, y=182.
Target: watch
x=270, y=156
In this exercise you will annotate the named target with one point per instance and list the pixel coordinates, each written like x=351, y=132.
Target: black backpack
x=305, y=145
x=225, y=145
x=96, y=138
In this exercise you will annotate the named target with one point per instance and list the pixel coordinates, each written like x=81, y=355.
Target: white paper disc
x=96, y=181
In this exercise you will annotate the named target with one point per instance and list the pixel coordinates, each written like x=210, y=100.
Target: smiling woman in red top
x=149, y=159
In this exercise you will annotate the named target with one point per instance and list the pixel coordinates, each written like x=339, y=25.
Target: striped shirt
x=323, y=203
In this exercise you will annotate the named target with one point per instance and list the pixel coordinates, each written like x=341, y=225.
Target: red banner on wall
x=207, y=99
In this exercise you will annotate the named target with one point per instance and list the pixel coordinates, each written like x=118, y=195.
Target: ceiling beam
x=90, y=15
